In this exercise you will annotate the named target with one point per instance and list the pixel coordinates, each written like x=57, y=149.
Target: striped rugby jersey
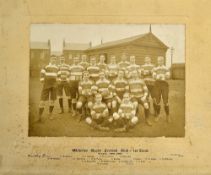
x=161, y=73
x=99, y=107
x=76, y=72
x=138, y=88
x=102, y=66
x=104, y=88
x=146, y=73
x=120, y=85
x=123, y=65
x=85, y=86
x=126, y=108
x=113, y=70
x=48, y=75
x=84, y=64
x=64, y=72
x=131, y=68
x=93, y=70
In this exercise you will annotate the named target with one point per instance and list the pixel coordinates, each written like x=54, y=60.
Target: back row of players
x=106, y=95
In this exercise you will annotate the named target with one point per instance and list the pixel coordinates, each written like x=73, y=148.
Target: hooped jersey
x=102, y=66
x=120, y=85
x=76, y=72
x=161, y=73
x=99, y=107
x=123, y=65
x=137, y=88
x=146, y=73
x=49, y=75
x=85, y=87
x=64, y=72
x=126, y=108
x=131, y=68
x=113, y=70
x=104, y=88
x=84, y=64
x=93, y=70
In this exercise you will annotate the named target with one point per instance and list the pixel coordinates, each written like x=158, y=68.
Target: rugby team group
x=106, y=96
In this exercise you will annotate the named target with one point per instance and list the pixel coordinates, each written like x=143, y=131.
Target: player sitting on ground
x=48, y=77
x=139, y=94
x=161, y=88
x=99, y=115
x=85, y=94
x=63, y=84
x=125, y=118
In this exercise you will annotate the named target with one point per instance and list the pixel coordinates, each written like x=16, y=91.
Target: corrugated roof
x=39, y=45
x=76, y=46
x=123, y=41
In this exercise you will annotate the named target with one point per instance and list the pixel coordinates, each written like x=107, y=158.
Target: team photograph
x=107, y=80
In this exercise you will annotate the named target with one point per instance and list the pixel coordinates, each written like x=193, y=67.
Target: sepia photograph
x=107, y=80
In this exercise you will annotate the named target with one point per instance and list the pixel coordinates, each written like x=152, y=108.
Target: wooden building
x=71, y=50
x=140, y=46
x=178, y=71
x=39, y=56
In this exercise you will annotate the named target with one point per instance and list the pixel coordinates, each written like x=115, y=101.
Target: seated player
x=85, y=90
x=120, y=86
x=161, y=88
x=133, y=66
x=93, y=70
x=139, y=94
x=125, y=118
x=84, y=62
x=99, y=115
x=48, y=77
x=105, y=89
x=113, y=69
x=63, y=84
x=102, y=65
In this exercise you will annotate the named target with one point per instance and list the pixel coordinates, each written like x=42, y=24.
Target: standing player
x=63, y=83
x=84, y=62
x=133, y=67
x=99, y=115
x=123, y=64
x=139, y=94
x=85, y=94
x=161, y=89
x=102, y=65
x=93, y=70
x=76, y=71
x=49, y=80
x=146, y=72
x=125, y=118
x=113, y=69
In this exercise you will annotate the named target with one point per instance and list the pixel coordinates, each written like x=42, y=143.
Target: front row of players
x=108, y=94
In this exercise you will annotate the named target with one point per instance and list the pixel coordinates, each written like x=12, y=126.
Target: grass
x=67, y=125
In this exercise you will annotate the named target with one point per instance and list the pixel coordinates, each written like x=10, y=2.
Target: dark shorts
x=161, y=89
x=49, y=93
x=150, y=90
x=66, y=87
x=85, y=99
x=74, y=89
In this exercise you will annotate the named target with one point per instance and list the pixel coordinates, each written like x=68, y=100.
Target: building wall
x=38, y=59
x=131, y=49
x=70, y=54
x=178, y=72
